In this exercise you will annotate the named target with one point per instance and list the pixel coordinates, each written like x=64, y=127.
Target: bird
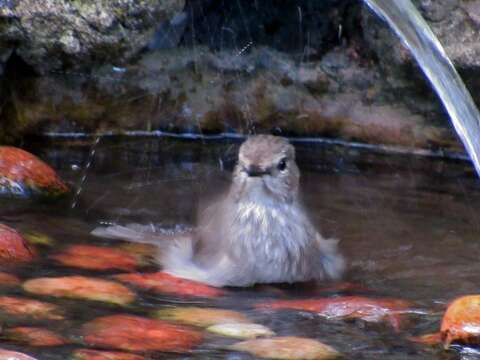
x=257, y=232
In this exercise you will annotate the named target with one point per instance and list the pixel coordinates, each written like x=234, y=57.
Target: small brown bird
x=258, y=232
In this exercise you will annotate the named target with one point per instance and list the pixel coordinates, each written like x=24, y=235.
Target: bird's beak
x=255, y=171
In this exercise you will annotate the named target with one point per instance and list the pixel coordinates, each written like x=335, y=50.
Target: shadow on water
x=408, y=225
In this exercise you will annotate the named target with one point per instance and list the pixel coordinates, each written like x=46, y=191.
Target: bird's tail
x=175, y=251
x=178, y=260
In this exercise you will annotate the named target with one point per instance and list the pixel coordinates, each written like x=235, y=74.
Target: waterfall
x=408, y=24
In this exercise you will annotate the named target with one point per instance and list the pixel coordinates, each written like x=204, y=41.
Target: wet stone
x=461, y=321
x=202, y=317
x=87, y=354
x=287, y=348
x=23, y=174
x=13, y=355
x=8, y=279
x=134, y=333
x=96, y=258
x=13, y=248
x=81, y=287
x=163, y=283
x=34, y=336
x=35, y=309
x=241, y=330
x=357, y=307
x=427, y=339
x=36, y=238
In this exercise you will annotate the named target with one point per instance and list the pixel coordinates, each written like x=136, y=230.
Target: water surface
x=409, y=227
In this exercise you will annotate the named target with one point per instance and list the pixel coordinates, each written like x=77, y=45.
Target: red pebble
x=34, y=336
x=8, y=279
x=96, y=258
x=13, y=247
x=368, y=309
x=13, y=355
x=81, y=287
x=134, y=333
x=27, y=307
x=461, y=321
x=19, y=168
x=162, y=282
x=87, y=354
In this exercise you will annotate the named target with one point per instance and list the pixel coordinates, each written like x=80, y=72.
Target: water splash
x=91, y=156
x=415, y=33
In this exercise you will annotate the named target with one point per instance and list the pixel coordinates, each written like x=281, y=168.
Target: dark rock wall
x=304, y=67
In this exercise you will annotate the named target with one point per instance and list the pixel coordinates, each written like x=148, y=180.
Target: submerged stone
x=96, y=258
x=144, y=253
x=134, y=333
x=461, y=321
x=36, y=238
x=87, y=354
x=23, y=174
x=81, y=287
x=427, y=339
x=34, y=336
x=241, y=330
x=163, y=283
x=13, y=248
x=8, y=279
x=13, y=355
x=202, y=317
x=17, y=306
x=357, y=307
x=287, y=348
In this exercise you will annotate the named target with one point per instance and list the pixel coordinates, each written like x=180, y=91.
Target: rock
x=4, y=55
x=163, y=283
x=23, y=174
x=81, y=287
x=35, y=309
x=134, y=333
x=202, y=317
x=302, y=27
x=87, y=354
x=36, y=238
x=357, y=307
x=241, y=330
x=12, y=355
x=202, y=92
x=33, y=336
x=96, y=258
x=56, y=34
x=8, y=279
x=461, y=321
x=427, y=339
x=343, y=80
x=13, y=248
x=287, y=348
x=454, y=22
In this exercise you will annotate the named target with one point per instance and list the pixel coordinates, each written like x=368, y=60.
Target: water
x=417, y=36
x=408, y=225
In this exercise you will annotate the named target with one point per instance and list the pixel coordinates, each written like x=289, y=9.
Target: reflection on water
x=408, y=225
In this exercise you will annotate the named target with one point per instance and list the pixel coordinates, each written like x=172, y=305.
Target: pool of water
x=409, y=227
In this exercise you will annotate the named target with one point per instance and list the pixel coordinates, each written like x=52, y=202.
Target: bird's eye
x=282, y=165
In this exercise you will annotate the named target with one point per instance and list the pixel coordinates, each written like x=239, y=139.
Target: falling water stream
x=415, y=33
